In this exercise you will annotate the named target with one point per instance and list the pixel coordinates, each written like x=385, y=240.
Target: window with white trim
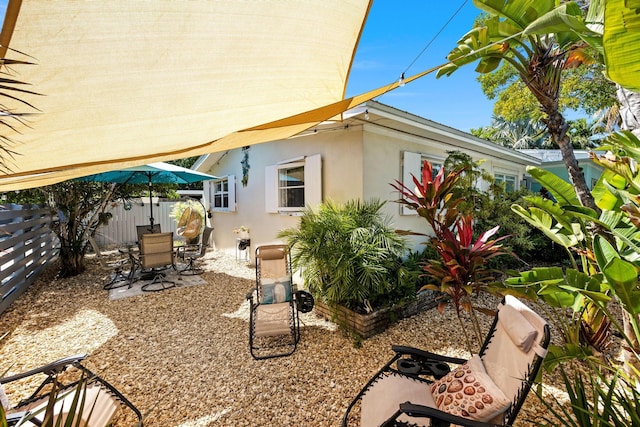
x=293, y=184
x=509, y=181
x=412, y=164
x=222, y=194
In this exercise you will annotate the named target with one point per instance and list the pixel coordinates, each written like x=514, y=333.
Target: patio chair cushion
x=521, y=332
x=377, y=404
x=99, y=408
x=469, y=392
x=276, y=291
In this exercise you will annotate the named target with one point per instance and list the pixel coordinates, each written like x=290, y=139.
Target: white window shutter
x=271, y=189
x=207, y=189
x=411, y=165
x=231, y=181
x=313, y=180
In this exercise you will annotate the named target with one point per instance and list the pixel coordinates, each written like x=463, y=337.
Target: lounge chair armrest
x=436, y=415
x=14, y=417
x=422, y=354
x=51, y=368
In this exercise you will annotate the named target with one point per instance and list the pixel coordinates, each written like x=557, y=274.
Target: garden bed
x=367, y=325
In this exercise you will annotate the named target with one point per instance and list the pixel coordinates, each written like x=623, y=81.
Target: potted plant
x=242, y=232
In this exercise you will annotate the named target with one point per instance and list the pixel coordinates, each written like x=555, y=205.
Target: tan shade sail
x=124, y=82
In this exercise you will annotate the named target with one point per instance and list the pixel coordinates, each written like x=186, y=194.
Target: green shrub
x=349, y=254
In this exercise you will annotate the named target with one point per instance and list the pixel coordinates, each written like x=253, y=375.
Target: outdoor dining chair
x=156, y=255
x=417, y=387
x=190, y=253
x=274, y=324
x=69, y=380
x=146, y=229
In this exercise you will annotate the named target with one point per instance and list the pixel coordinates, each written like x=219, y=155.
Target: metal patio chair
x=146, y=229
x=156, y=255
x=188, y=254
x=417, y=388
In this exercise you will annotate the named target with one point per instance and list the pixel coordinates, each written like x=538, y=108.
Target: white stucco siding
x=360, y=158
x=341, y=163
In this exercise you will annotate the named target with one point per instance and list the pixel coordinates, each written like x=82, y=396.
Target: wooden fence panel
x=27, y=245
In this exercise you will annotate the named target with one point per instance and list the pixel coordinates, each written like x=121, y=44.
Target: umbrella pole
x=150, y=204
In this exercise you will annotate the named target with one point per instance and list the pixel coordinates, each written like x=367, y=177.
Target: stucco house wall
x=342, y=179
x=360, y=157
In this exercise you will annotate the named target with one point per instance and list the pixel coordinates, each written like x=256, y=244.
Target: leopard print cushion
x=469, y=392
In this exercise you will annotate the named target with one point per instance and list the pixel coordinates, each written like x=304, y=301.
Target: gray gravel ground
x=181, y=355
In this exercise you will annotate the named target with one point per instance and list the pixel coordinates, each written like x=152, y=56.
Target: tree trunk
x=557, y=126
x=71, y=261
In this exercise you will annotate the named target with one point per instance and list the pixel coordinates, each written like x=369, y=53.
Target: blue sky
x=394, y=35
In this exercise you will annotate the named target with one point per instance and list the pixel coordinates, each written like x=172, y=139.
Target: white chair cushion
x=521, y=332
x=384, y=397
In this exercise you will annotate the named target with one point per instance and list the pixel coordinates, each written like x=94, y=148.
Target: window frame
x=287, y=166
x=230, y=194
x=312, y=184
x=503, y=179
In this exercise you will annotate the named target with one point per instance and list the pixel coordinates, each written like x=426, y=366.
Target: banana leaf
x=623, y=279
x=620, y=41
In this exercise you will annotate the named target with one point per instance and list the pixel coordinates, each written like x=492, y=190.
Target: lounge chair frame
x=52, y=372
x=426, y=366
x=284, y=340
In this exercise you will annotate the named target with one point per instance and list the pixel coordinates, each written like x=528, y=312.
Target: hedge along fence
x=27, y=245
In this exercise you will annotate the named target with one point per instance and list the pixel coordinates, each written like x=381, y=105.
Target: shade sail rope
x=435, y=36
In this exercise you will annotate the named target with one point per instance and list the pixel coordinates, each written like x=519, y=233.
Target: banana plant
x=539, y=39
x=608, y=244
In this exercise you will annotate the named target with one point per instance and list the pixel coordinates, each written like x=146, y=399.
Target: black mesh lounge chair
x=417, y=388
x=102, y=402
x=274, y=325
x=188, y=254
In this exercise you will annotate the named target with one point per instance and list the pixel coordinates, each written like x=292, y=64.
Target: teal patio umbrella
x=153, y=173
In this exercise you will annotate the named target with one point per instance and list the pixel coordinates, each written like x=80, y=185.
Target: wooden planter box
x=367, y=325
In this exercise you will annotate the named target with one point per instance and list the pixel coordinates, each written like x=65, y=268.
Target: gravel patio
x=181, y=355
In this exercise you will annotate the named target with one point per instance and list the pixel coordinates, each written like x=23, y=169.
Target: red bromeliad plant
x=462, y=269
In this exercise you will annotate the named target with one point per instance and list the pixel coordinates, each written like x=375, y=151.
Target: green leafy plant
x=462, y=268
x=604, y=248
x=595, y=399
x=348, y=253
x=493, y=207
